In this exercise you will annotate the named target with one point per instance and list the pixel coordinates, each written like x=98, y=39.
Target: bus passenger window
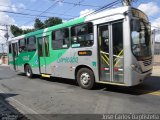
x=60, y=39
x=31, y=44
x=22, y=45
x=82, y=35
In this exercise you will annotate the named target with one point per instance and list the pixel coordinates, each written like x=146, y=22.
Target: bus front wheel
x=85, y=78
x=28, y=71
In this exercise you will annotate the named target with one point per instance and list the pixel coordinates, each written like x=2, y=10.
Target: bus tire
x=28, y=71
x=85, y=78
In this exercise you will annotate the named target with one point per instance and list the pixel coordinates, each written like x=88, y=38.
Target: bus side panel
x=90, y=61
x=127, y=52
x=28, y=58
x=61, y=67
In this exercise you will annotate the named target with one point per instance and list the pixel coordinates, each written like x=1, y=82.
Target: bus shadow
x=71, y=82
x=34, y=76
x=53, y=79
x=150, y=85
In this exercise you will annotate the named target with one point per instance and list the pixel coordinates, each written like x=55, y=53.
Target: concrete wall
x=4, y=60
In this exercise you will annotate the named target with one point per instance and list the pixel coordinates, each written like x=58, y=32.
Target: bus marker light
x=120, y=69
x=45, y=75
x=105, y=68
x=116, y=69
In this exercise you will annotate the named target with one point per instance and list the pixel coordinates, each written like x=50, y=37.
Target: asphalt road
x=63, y=96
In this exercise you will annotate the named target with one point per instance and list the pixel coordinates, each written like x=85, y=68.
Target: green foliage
x=28, y=31
x=52, y=21
x=38, y=24
x=16, y=31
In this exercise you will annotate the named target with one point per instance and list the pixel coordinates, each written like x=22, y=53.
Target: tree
x=27, y=31
x=16, y=31
x=52, y=21
x=38, y=24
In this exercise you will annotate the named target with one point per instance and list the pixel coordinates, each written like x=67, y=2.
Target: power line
x=74, y=5
x=105, y=7
x=53, y=5
x=101, y=8
x=25, y=14
x=87, y=5
x=79, y=3
x=36, y=10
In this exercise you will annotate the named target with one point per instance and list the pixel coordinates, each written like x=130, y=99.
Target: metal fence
x=156, y=60
x=157, y=53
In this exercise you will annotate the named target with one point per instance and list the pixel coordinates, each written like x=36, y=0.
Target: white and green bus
x=110, y=47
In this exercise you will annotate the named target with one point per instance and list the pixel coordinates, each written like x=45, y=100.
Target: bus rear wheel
x=85, y=78
x=28, y=71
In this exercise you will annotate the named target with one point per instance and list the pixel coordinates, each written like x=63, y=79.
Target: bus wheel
x=28, y=71
x=85, y=78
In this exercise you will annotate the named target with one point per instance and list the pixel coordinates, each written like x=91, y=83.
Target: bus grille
x=147, y=62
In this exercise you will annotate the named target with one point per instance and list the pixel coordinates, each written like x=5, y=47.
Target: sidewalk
x=4, y=65
x=156, y=71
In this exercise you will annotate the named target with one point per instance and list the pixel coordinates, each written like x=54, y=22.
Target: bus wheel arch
x=28, y=70
x=85, y=77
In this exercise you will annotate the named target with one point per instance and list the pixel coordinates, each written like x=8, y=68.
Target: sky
x=62, y=9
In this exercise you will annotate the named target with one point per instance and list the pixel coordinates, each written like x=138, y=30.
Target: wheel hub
x=28, y=72
x=85, y=78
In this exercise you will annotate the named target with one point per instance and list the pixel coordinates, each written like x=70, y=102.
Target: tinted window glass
x=22, y=45
x=60, y=39
x=117, y=38
x=141, y=38
x=82, y=35
x=46, y=43
x=31, y=44
x=40, y=47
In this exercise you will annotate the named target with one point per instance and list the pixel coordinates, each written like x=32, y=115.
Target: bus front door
x=43, y=53
x=110, y=38
x=104, y=53
x=15, y=55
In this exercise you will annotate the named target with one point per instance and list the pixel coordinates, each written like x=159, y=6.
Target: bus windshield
x=140, y=38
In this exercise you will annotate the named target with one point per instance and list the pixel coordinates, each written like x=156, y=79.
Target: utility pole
x=127, y=2
x=6, y=35
x=2, y=48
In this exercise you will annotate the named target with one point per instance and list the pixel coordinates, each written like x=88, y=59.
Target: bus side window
x=60, y=39
x=22, y=45
x=82, y=35
x=31, y=44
